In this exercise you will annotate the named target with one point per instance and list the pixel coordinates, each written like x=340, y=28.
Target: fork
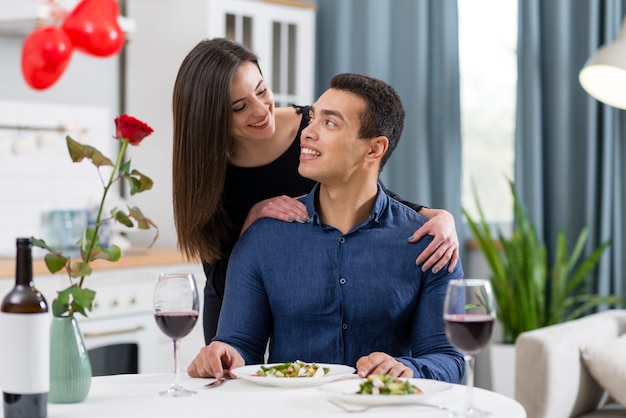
x=348, y=407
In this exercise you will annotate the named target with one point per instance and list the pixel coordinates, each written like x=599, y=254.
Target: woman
x=235, y=160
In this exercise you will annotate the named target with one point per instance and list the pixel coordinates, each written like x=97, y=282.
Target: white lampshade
x=604, y=74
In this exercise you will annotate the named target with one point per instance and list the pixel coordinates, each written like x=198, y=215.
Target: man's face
x=331, y=151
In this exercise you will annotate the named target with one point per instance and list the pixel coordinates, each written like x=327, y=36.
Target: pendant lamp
x=604, y=74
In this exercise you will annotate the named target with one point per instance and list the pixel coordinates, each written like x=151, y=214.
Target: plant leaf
x=122, y=218
x=55, y=262
x=138, y=182
x=79, y=151
x=528, y=294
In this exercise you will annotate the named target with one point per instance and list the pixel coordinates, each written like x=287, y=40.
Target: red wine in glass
x=176, y=308
x=176, y=325
x=469, y=316
x=469, y=333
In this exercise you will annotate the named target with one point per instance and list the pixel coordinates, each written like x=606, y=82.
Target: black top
x=244, y=187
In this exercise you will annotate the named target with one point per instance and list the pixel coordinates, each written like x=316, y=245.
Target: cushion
x=606, y=362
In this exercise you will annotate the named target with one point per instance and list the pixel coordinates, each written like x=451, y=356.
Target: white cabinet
x=282, y=36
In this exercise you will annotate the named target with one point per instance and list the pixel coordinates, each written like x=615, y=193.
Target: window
x=488, y=67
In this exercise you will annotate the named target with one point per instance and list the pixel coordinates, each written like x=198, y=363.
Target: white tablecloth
x=126, y=396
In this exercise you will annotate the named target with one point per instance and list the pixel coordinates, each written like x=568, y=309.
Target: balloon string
x=57, y=14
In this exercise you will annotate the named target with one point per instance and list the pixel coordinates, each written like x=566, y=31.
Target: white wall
x=93, y=81
x=166, y=31
x=36, y=172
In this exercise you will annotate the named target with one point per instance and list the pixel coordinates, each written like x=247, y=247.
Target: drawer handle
x=114, y=332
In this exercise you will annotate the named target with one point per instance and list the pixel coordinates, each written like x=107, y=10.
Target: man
x=343, y=288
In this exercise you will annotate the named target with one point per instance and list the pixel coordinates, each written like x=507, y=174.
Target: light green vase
x=70, y=368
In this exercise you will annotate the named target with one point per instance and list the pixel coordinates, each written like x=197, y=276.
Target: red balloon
x=93, y=28
x=45, y=54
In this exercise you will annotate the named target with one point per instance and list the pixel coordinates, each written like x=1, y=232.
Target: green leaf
x=86, y=242
x=138, y=182
x=59, y=308
x=83, y=299
x=78, y=152
x=80, y=269
x=122, y=218
x=55, y=262
x=111, y=253
x=142, y=221
x=73, y=299
x=125, y=169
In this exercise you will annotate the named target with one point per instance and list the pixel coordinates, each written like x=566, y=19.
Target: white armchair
x=551, y=379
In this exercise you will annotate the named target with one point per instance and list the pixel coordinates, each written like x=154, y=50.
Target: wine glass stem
x=176, y=371
x=469, y=382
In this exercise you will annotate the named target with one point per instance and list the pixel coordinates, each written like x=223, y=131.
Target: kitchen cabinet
x=281, y=34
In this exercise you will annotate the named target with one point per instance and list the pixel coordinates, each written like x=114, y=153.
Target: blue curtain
x=413, y=45
x=569, y=156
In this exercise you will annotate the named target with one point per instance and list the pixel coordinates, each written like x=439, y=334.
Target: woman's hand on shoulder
x=283, y=208
x=444, y=247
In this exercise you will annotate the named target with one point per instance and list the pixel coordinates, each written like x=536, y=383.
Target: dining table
x=135, y=395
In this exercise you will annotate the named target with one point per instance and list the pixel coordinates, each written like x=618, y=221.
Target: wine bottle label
x=25, y=352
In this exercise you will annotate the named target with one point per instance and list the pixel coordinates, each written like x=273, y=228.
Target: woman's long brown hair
x=202, y=114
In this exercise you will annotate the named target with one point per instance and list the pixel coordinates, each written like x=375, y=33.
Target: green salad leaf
x=380, y=384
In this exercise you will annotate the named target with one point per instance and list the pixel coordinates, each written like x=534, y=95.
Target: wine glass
x=176, y=308
x=469, y=317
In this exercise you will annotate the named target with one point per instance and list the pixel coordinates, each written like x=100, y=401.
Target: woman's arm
x=445, y=245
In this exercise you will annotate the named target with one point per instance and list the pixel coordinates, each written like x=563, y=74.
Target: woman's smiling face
x=252, y=105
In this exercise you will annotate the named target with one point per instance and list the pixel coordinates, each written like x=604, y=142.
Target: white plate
x=347, y=391
x=249, y=373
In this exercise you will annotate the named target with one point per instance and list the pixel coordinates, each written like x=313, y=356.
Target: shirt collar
x=381, y=203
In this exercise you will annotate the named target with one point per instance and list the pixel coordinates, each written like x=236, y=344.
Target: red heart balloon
x=93, y=28
x=45, y=55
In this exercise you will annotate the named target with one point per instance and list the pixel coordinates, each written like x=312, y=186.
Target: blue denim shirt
x=324, y=296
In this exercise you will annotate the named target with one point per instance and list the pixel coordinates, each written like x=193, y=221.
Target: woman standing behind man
x=235, y=160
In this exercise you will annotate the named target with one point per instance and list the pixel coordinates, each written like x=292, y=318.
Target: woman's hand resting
x=444, y=247
x=284, y=208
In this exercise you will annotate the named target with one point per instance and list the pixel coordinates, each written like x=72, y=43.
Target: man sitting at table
x=343, y=288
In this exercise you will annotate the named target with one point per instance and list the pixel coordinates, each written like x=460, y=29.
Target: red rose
x=131, y=129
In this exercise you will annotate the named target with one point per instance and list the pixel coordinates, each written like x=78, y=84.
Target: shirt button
x=342, y=240
x=342, y=280
x=344, y=326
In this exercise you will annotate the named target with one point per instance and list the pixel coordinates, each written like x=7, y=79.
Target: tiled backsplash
x=36, y=172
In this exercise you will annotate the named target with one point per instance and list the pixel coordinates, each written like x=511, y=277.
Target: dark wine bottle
x=25, y=339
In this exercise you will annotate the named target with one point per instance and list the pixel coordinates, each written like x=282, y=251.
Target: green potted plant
x=530, y=294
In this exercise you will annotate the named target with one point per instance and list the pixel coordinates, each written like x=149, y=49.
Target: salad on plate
x=296, y=368
x=379, y=384
x=293, y=373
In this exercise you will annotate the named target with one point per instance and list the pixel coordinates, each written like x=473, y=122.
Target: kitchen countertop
x=130, y=258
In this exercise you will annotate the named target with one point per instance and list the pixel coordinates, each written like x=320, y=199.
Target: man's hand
x=214, y=360
x=381, y=363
